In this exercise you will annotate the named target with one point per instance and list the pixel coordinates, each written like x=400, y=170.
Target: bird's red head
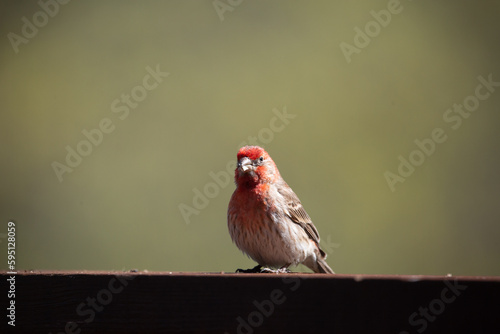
x=255, y=166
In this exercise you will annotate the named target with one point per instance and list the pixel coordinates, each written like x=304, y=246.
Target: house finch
x=266, y=219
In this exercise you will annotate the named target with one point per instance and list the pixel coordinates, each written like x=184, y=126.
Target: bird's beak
x=245, y=164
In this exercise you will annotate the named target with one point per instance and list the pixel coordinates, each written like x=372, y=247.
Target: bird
x=266, y=219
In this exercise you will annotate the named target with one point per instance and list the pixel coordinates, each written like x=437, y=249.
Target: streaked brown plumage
x=266, y=219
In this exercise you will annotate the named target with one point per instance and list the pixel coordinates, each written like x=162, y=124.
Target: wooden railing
x=165, y=302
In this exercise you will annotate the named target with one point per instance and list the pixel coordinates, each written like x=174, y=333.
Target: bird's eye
x=261, y=159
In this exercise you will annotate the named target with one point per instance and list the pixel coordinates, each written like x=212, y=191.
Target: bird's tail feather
x=322, y=267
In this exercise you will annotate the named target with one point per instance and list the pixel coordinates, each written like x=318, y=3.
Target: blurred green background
x=229, y=68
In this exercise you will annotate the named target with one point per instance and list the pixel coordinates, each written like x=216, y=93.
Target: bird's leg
x=256, y=269
x=264, y=270
x=284, y=270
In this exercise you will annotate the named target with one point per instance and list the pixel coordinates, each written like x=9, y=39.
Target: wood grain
x=165, y=302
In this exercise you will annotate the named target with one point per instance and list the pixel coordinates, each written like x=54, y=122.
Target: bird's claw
x=256, y=269
x=275, y=271
x=263, y=270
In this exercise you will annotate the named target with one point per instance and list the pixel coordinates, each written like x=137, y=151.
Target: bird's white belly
x=277, y=243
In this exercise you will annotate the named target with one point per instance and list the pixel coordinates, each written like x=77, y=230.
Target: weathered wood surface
x=163, y=302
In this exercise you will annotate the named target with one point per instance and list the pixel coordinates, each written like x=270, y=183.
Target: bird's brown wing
x=297, y=213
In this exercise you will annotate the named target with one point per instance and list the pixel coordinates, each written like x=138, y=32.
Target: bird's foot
x=256, y=269
x=264, y=270
x=275, y=271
